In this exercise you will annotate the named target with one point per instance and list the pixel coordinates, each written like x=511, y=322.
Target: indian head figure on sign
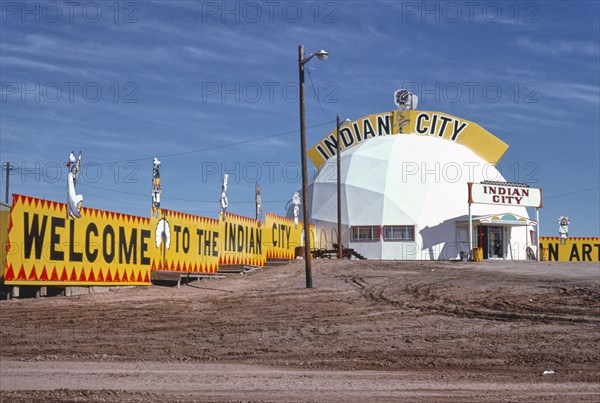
x=74, y=200
x=224, y=202
x=563, y=229
x=258, y=199
x=296, y=203
x=156, y=187
x=405, y=101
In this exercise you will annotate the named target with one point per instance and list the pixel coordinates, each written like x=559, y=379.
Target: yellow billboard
x=282, y=237
x=241, y=241
x=44, y=247
x=185, y=243
x=422, y=123
x=571, y=249
x=4, y=220
x=100, y=248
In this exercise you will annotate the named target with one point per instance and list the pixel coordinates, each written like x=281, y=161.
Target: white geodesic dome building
x=405, y=196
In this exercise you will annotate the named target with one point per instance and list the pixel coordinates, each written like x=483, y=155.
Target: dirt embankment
x=367, y=330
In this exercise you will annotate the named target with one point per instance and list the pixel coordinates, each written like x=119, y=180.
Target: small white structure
x=404, y=196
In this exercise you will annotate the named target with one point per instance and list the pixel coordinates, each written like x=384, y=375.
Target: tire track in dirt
x=545, y=304
x=360, y=315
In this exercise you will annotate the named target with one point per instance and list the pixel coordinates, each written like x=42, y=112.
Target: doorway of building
x=495, y=242
x=491, y=239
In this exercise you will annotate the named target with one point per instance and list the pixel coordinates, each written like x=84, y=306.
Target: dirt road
x=370, y=330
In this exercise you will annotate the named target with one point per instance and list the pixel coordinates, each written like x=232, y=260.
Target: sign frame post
x=537, y=234
x=470, y=253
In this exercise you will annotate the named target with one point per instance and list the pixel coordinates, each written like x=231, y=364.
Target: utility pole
x=321, y=55
x=339, y=187
x=8, y=169
x=306, y=219
x=339, y=192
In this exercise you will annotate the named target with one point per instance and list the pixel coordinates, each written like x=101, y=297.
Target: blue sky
x=198, y=82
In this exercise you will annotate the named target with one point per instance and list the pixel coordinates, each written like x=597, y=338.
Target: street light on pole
x=339, y=190
x=321, y=55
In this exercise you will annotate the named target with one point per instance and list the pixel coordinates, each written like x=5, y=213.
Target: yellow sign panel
x=572, y=249
x=352, y=134
x=185, y=243
x=4, y=219
x=100, y=248
x=242, y=241
x=282, y=237
x=421, y=123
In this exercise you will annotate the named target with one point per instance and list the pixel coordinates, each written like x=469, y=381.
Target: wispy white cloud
x=560, y=47
x=26, y=62
x=34, y=50
x=572, y=92
x=205, y=53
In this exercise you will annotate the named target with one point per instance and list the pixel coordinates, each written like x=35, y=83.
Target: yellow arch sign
x=421, y=123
